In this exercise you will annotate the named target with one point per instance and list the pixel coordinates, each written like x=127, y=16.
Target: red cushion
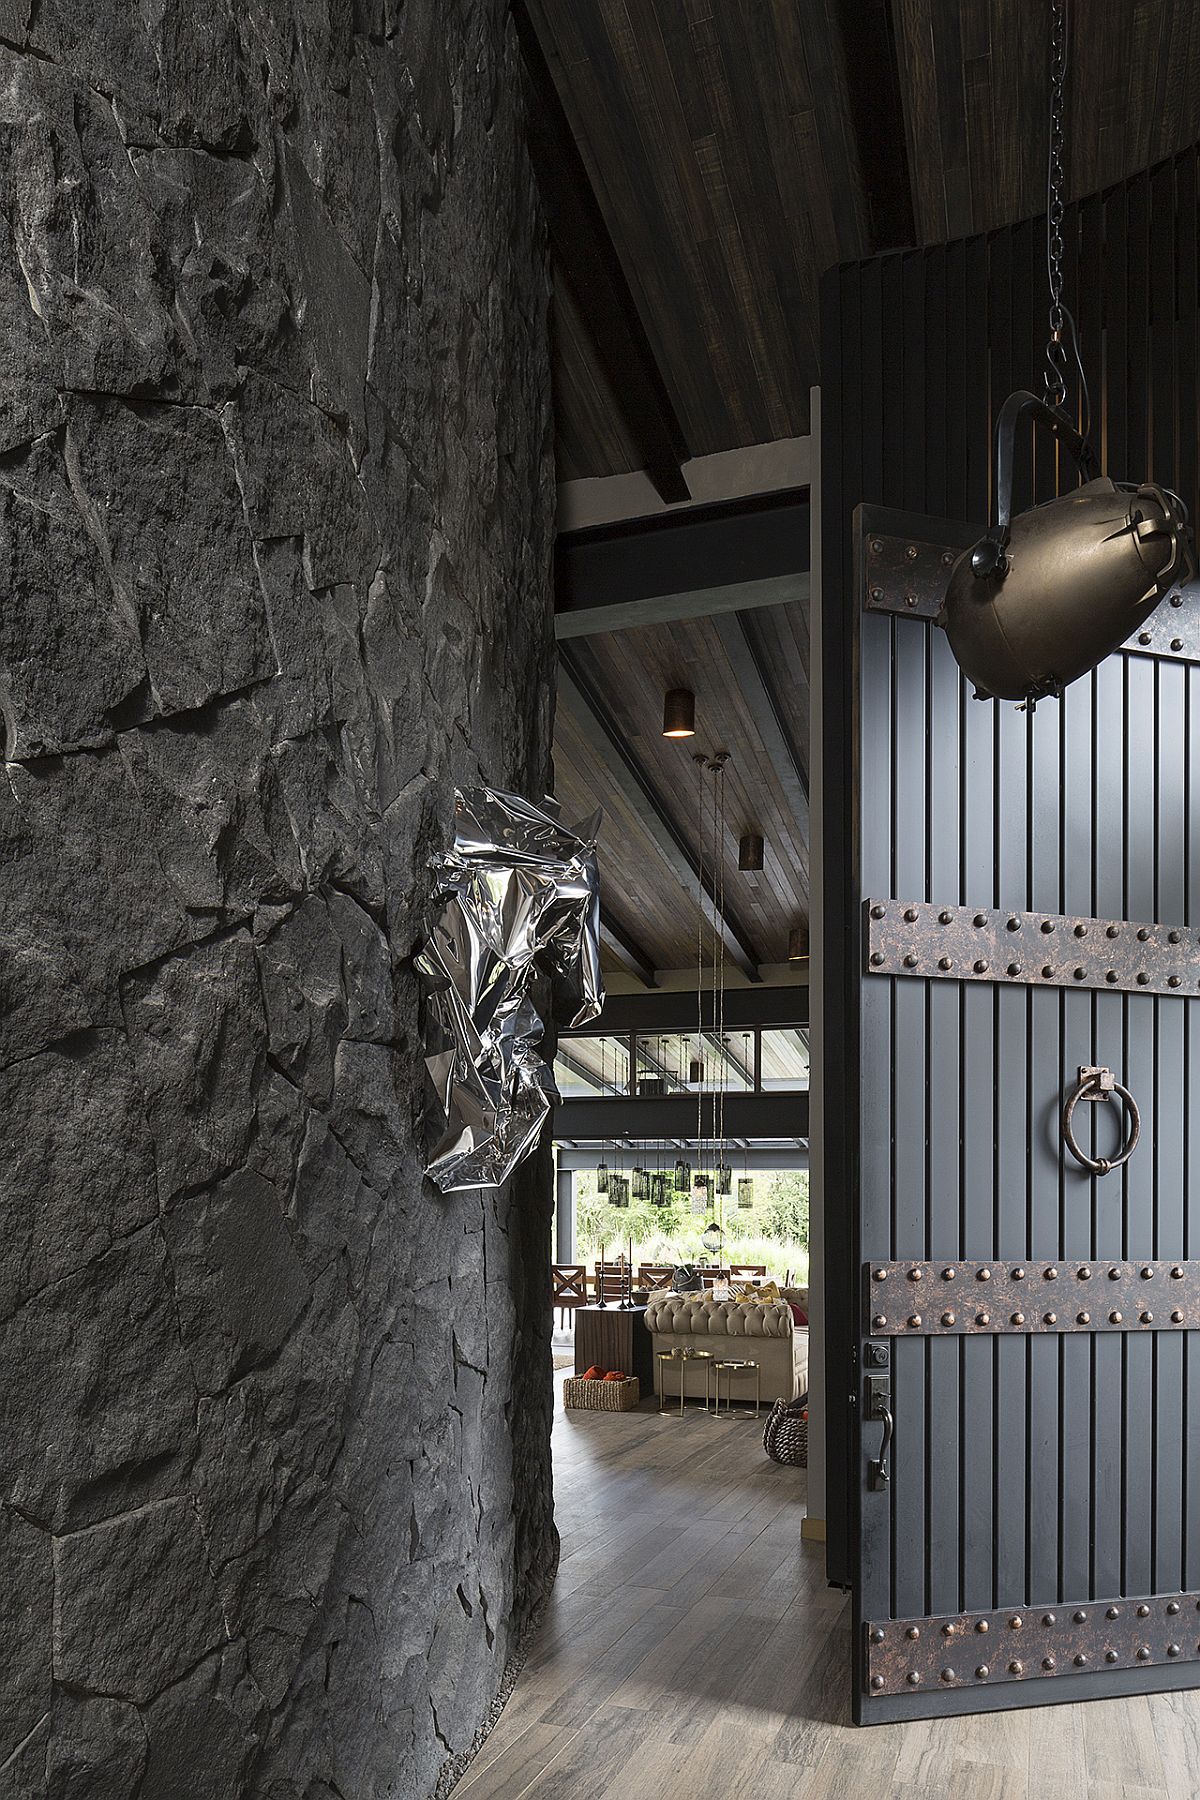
x=798, y=1313
x=614, y=1375
x=595, y=1373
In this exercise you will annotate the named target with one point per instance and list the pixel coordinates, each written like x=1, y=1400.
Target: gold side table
x=683, y=1358
x=738, y=1366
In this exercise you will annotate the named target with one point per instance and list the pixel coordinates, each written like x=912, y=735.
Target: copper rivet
x=914, y=1680
x=982, y=1672
x=1049, y=1318
x=1114, y=1318
x=1172, y=1649
x=944, y=963
x=1143, y=934
x=981, y=918
x=981, y=1625
x=1112, y=932
x=877, y=1635
x=1016, y=1622
x=947, y=1631
x=980, y=967
x=1177, y=1317
x=1080, y=1618
x=1143, y=978
x=879, y=1321
x=1110, y=1656
x=1051, y=1274
x=1014, y=968
x=1144, y=1654
x=1085, y=1274
x=1083, y=1318
x=1047, y=971
x=910, y=913
x=914, y=1631
x=1143, y=1611
x=914, y=1274
x=1047, y=925
x=1080, y=1660
x=1047, y=1662
x=984, y=1275
x=1114, y=1274
x=1147, y=1272
x=947, y=1318
x=876, y=958
x=949, y=1274
x=1016, y=1668
x=1047, y=1618
x=878, y=912
x=881, y=1274
x=983, y=1318
x=915, y=1320
x=1018, y=1318
x=1172, y=981
x=877, y=1682
x=1177, y=1273
x=1018, y=1274
x=910, y=962
x=1173, y=937
x=1172, y=1608
x=1114, y=1612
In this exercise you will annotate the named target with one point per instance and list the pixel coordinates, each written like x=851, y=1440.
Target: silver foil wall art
x=517, y=895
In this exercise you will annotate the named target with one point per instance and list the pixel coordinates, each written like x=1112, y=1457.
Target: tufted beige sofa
x=765, y=1333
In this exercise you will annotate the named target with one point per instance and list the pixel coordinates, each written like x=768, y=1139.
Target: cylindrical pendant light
x=679, y=713
x=750, y=851
x=798, y=943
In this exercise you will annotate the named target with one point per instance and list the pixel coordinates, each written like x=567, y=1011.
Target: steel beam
x=600, y=736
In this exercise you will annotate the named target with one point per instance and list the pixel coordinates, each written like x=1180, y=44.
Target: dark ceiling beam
x=726, y=558
x=757, y=687
x=774, y=1115
x=587, y=258
x=627, y=949
x=676, y=1010
x=597, y=731
x=877, y=117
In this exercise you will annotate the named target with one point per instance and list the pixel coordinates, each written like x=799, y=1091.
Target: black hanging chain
x=1056, y=345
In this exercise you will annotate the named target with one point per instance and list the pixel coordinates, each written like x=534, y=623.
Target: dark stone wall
x=275, y=511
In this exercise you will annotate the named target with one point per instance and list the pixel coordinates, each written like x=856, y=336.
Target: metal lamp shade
x=798, y=943
x=750, y=852
x=679, y=713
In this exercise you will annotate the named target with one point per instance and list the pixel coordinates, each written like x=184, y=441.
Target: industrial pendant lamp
x=750, y=852
x=798, y=943
x=1045, y=596
x=679, y=713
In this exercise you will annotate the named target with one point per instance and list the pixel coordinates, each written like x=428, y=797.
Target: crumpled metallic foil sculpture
x=518, y=894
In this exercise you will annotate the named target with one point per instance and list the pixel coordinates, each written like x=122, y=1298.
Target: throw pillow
x=614, y=1375
x=595, y=1373
x=798, y=1313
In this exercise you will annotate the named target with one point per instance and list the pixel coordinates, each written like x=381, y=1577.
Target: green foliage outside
x=774, y=1230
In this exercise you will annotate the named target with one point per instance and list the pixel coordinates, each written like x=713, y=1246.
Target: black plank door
x=1033, y=1329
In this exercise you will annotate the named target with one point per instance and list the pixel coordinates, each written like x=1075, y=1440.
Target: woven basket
x=602, y=1396
x=785, y=1438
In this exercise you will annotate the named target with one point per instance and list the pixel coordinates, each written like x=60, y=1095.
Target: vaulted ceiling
x=704, y=161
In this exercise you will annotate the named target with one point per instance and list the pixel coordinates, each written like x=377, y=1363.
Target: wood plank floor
x=692, y=1651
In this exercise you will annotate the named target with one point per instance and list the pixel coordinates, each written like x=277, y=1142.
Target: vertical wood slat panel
x=1028, y=1469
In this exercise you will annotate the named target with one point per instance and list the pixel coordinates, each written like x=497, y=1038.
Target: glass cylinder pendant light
x=724, y=1178
x=683, y=1176
x=699, y=1195
x=602, y=1178
x=745, y=1193
x=641, y=1184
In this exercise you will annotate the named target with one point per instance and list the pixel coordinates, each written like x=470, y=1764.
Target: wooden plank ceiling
x=736, y=149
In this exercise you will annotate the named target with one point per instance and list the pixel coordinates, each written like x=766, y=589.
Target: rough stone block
x=136, y=1604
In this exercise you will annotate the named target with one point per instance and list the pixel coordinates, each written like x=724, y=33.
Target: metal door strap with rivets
x=975, y=1299
x=906, y=1656
x=969, y=943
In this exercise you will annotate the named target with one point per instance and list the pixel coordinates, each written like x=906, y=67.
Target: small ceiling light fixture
x=798, y=943
x=750, y=852
x=679, y=713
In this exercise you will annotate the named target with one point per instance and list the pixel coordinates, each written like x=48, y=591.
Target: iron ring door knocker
x=1098, y=1084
